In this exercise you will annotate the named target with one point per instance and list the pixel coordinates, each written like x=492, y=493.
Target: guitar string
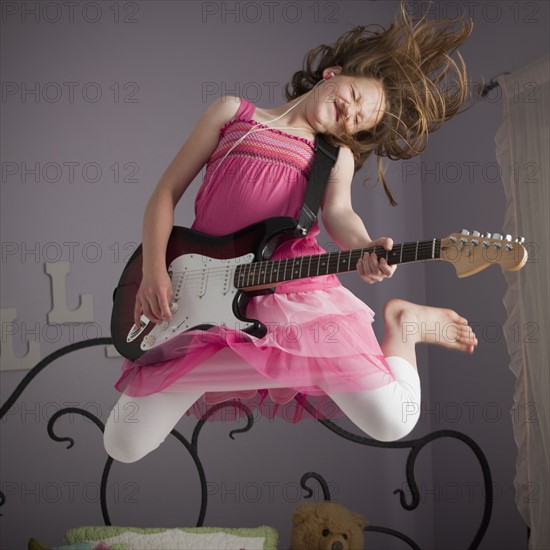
x=330, y=256
x=333, y=260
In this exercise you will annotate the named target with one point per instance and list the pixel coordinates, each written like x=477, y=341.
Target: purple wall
x=157, y=66
x=462, y=189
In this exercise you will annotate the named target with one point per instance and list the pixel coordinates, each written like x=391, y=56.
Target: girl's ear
x=336, y=70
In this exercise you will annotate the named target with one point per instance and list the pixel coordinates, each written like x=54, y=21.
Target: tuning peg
x=508, y=238
x=464, y=232
x=497, y=236
x=486, y=235
x=476, y=234
x=520, y=240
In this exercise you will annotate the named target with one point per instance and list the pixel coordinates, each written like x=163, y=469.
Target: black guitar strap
x=324, y=160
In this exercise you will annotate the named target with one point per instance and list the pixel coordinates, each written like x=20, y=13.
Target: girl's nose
x=349, y=114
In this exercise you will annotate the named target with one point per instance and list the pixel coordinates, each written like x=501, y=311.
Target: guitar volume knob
x=148, y=341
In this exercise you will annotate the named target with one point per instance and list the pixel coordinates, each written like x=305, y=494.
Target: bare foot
x=431, y=325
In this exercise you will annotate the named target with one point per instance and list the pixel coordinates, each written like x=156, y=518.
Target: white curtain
x=523, y=148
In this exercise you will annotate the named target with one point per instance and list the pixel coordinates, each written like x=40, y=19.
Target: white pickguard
x=203, y=295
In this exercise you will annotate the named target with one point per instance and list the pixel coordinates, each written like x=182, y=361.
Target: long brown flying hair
x=422, y=84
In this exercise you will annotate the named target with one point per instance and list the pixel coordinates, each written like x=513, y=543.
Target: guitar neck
x=287, y=269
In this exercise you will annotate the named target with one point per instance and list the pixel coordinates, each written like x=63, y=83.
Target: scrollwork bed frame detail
x=415, y=445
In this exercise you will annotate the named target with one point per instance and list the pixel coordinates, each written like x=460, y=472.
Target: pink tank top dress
x=319, y=333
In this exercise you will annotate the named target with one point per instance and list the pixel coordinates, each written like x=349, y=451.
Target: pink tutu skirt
x=304, y=354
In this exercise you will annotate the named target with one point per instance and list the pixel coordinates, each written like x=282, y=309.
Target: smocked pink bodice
x=262, y=177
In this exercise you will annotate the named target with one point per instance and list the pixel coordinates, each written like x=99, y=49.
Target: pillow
x=192, y=538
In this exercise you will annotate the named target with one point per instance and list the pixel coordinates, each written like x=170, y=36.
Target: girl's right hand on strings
x=154, y=296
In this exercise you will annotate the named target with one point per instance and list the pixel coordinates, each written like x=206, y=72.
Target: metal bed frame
x=415, y=446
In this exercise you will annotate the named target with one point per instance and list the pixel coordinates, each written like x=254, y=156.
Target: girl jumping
x=372, y=91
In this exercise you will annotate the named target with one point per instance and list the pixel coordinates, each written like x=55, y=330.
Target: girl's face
x=347, y=102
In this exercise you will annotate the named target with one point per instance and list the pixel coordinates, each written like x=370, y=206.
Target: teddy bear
x=326, y=526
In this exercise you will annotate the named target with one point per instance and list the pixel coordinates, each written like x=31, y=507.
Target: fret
x=253, y=269
x=356, y=257
x=253, y=273
x=343, y=261
x=260, y=273
x=274, y=271
x=271, y=274
x=295, y=268
x=409, y=252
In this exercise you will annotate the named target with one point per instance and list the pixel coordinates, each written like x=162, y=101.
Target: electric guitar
x=213, y=278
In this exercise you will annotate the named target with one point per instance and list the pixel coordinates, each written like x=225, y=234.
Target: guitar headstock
x=471, y=253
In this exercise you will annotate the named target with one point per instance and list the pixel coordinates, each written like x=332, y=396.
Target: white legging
x=138, y=425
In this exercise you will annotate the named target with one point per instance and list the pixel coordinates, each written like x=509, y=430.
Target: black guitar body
x=260, y=239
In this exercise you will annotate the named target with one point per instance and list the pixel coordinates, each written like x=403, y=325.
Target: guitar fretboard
x=286, y=269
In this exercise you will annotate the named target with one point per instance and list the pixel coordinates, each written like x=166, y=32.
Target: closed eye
x=354, y=95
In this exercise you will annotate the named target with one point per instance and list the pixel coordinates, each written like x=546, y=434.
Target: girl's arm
x=345, y=227
x=155, y=292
